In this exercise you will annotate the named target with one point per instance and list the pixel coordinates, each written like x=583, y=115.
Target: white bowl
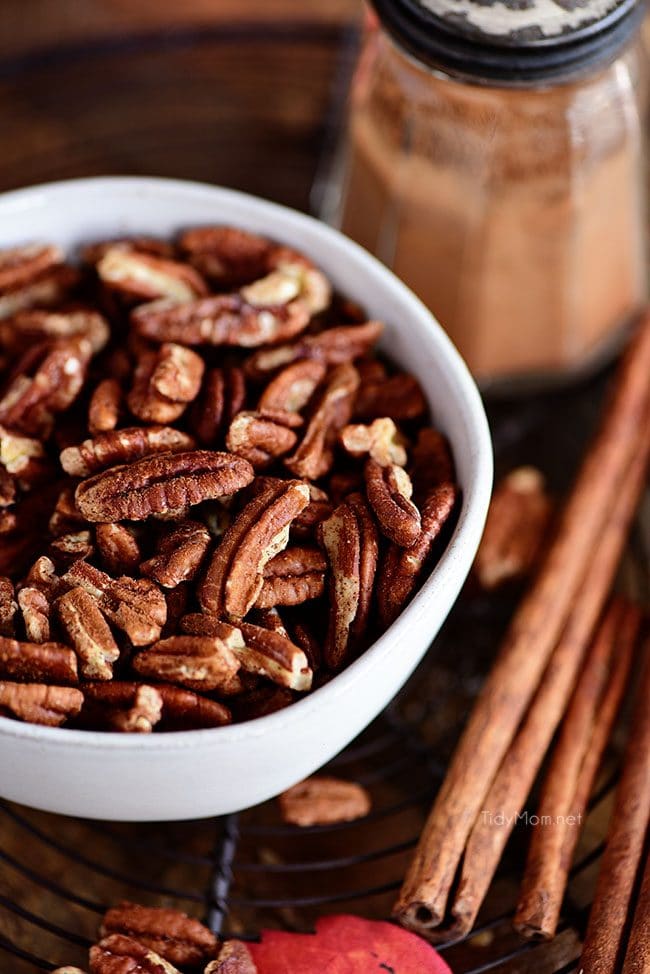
x=192, y=774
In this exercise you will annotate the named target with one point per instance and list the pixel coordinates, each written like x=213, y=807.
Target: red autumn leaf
x=346, y=945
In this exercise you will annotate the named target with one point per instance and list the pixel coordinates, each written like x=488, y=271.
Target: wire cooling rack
x=247, y=872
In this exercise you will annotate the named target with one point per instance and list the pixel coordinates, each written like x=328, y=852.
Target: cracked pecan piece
x=144, y=276
x=164, y=382
x=293, y=576
x=7, y=488
x=381, y=441
x=23, y=458
x=399, y=396
x=35, y=609
x=349, y=537
x=160, y=484
x=173, y=935
x=65, y=518
x=136, y=606
x=69, y=547
x=47, y=380
x=263, y=436
x=118, y=548
x=36, y=703
x=222, y=396
x=105, y=407
x=196, y=662
x=125, y=707
x=179, y=555
x=324, y=800
x=234, y=957
x=122, y=446
x=234, y=576
x=389, y=491
x=332, y=410
x=402, y=568
x=334, y=346
x=37, y=662
x=89, y=633
x=293, y=387
x=117, y=954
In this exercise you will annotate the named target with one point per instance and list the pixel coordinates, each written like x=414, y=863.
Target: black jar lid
x=512, y=41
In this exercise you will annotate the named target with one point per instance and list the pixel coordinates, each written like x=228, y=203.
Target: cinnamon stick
x=516, y=775
x=528, y=645
x=568, y=784
x=604, y=943
x=637, y=957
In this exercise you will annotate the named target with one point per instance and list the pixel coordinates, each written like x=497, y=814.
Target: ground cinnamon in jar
x=511, y=199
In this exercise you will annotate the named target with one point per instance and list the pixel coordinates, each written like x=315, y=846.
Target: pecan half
x=160, y=484
x=35, y=610
x=262, y=701
x=36, y=703
x=227, y=255
x=294, y=576
x=93, y=252
x=389, y=491
x=333, y=346
x=178, y=938
x=233, y=958
x=69, y=547
x=46, y=381
x=223, y=319
x=22, y=265
x=122, y=446
x=185, y=710
x=42, y=575
x=349, y=537
x=117, y=954
x=293, y=387
x=8, y=606
x=65, y=517
x=515, y=528
x=68, y=970
x=382, y=441
x=402, y=567
x=164, y=382
x=144, y=277
x=45, y=291
x=305, y=524
x=234, y=576
x=128, y=708
x=136, y=606
x=324, y=800
x=88, y=631
x=105, y=407
x=432, y=462
x=222, y=396
x=23, y=457
x=43, y=662
x=179, y=556
x=195, y=662
x=274, y=656
x=332, y=410
x=399, y=396
x=260, y=437
x=118, y=548
x=28, y=327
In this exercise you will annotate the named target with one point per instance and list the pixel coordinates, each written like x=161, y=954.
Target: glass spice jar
x=494, y=160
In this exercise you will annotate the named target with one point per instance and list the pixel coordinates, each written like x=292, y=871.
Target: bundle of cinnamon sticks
x=567, y=654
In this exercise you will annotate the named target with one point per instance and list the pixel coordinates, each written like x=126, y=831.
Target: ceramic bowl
x=192, y=774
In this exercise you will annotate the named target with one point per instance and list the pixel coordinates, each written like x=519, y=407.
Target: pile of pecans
x=213, y=495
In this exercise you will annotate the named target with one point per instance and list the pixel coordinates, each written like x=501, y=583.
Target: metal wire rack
x=245, y=872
